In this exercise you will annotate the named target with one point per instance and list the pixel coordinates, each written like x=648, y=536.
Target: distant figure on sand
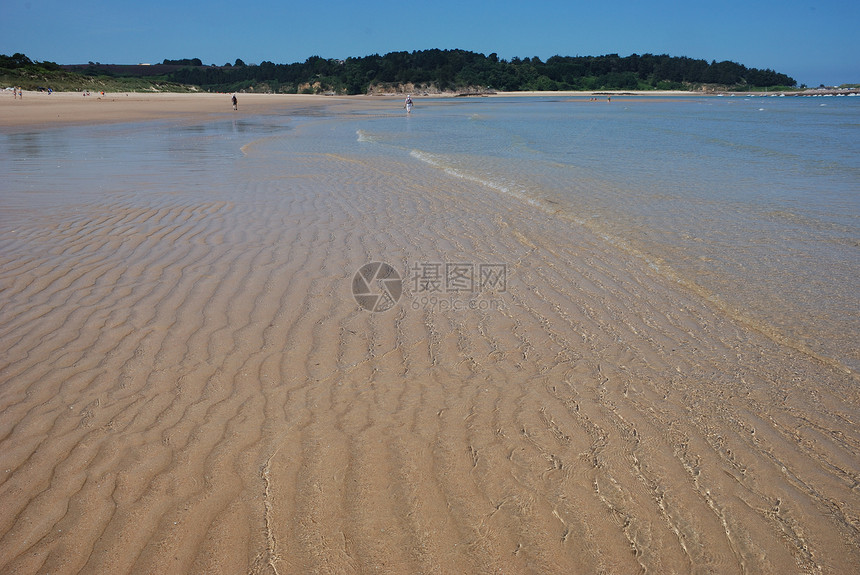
x=235, y=103
x=408, y=105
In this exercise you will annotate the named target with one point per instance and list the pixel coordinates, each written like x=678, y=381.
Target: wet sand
x=188, y=386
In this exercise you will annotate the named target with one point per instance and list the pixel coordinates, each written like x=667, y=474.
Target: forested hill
x=442, y=70
x=451, y=70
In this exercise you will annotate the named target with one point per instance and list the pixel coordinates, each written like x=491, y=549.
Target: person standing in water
x=235, y=102
x=408, y=105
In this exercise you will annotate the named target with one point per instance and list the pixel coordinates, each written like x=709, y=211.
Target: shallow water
x=187, y=383
x=754, y=202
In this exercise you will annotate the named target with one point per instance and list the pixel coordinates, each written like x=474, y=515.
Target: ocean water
x=753, y=202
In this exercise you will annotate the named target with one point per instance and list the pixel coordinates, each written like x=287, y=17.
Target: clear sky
x=814, y=41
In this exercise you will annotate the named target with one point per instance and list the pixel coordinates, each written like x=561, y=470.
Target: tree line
x=19, y=61
x=453, y=70
x=460, y=69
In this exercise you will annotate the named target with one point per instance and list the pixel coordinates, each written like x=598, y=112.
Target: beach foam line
x=555, y=209
x=365, y=136
x=444, y=164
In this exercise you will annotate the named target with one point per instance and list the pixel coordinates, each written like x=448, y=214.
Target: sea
x=751, y=202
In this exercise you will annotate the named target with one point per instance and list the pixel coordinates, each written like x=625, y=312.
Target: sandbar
x=60, y=108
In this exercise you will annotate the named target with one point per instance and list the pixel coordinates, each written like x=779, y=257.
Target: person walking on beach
x=235, y=103
x=408, y=104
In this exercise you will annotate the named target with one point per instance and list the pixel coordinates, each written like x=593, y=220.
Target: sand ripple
x=187, y=386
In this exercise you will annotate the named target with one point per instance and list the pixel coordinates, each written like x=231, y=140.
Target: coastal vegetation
x=425, y=70
x=19, y=70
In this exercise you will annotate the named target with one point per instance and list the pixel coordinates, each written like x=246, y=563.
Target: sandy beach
x=44, y=109
x=187, y=384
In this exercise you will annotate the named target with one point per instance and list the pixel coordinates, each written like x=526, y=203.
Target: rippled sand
x=188, y=386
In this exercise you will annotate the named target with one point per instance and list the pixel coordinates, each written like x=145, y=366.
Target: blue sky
x=813, y=41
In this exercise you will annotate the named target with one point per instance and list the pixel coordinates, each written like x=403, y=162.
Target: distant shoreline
x=640, y=93
x=41, y=109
